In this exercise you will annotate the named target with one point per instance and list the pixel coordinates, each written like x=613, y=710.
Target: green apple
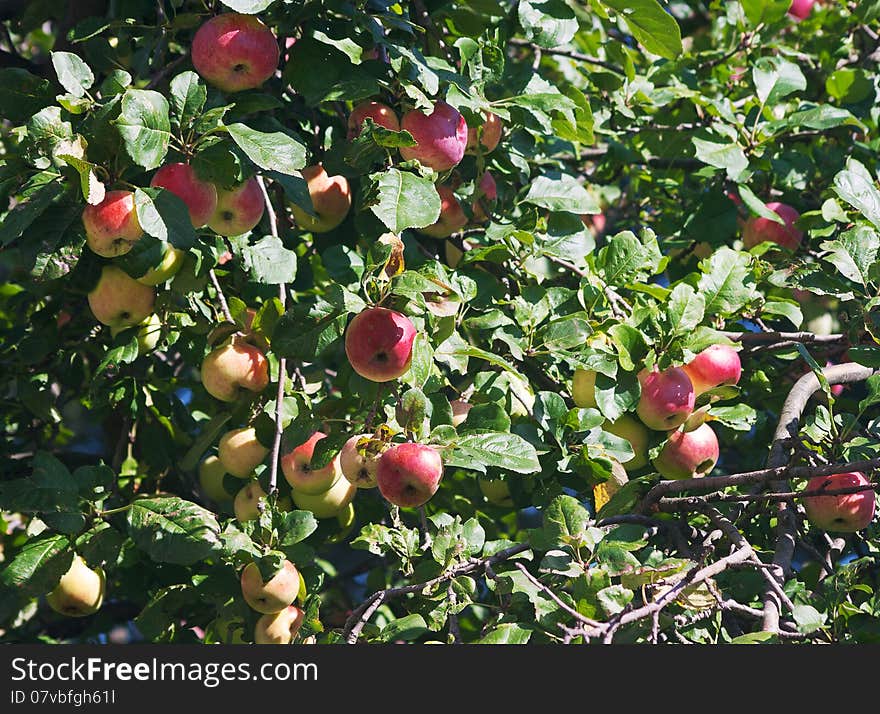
x=172, y=261
x=80, y=591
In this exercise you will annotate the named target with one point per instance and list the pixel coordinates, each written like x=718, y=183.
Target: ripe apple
x=112, y=226
x=381, y=114
x=583, y=388
x=667, y=398
x=758, y=229
x=331, y=200
x=485, y=197
x=240, y=452
x=460, y=409
x=272, y=596
x=80, y=591
x=845, y=513
x=199, y=196
x=246, y=504
x=234, y=366
x=118, y=300
x=235, y=52
x=378, y=344
x=489, y=136
x=688, y=454
x=800, y=9
x=496, y=491
x=296, y=466
x=359, y=464
x=148, y=334
x=452, y=218
x=441, y=137
x=279, y=628
x=211, y=473
x=626, y=427
x=409, y=474
x=328, y=504
x=715, y=366
x=172, y=262
x=239, y=209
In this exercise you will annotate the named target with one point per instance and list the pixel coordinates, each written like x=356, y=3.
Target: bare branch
x=221, y=298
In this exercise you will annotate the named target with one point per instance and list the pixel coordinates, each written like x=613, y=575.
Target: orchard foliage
x=639, y=143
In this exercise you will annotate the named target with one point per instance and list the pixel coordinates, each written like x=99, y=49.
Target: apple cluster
x=273, y=598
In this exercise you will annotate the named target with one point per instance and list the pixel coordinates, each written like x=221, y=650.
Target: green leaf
x=727, y=283
x=614, y=598
x=73, y=74
x=507, y=452
x=548, y=23
x=566, y=524
x=248, y=7
x=856, y=186
x=188, y=95
x=755, y=638
x=872, y=384
x=775, y=78
x=807, y=618
x=727, y=156
x=273, y=151
x=408, y=627
x=172, y=530
x=36, y=568
x=651, y=25
x=22, y=94
x=269, y=262
x=508, y=633
x=49, y=488
x=163, y=215
x=26, y=211
x=405, y=200
x=757, y=206
x=685, y=309
x=144, y=126
x=296, y=526
x=562, y=194
x=765, y=11
x=624, y=259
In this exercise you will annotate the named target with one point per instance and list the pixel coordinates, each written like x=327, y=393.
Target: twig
x=454, y=630
x=555, y=598
x=690, y=503
x=788, y=337
x=577, y=56
x=221, y=298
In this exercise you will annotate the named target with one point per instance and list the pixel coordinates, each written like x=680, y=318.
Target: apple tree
x=436, y=321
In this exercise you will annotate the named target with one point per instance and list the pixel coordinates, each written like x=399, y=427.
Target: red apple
x=489, y=136
x=331, y=200
x=486, y=195
x=112, y=226
x=239, y=209
x=452, y=218
x=233, y=367
x=409, y=474
x=845, y=513
x=296, y=466
x=359, y=460
x=757, y=229
x=378, y=344
x=667, y=398
x=235, y=52
x=800, y=9
x=199, y=196
x=715, y=366
x=273, y=595
x=688, y=454
x=440, y=137
x=381, y=114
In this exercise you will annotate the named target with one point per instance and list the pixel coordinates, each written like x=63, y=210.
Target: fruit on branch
x=758, y=229
x=199, y=196
x=583, y=388
x=240, y=452
x=235, y=52
x=490, y=134
x=148, y=334
x=80, y=591
x=441, y=137
x=688, y=454
x=484, y=198
x=211, y=473
x=460, y=409
x=172, y=262
x=378, y=344
x=451, y=219
x=234, y=367
x=239, y=209
x=800, y=9
x=359, y=459
x=120, y=301
x=331, y=200
x=409, y=474
x=297, y=467
x=381, y=114
x=279, y=628
x=246, y=504
x=715, y=366
x=844, y=513
x=667, y=398
x=273, y=595
x=328, y=504
x=626, y=427
x=496, y=491
x=112, y=226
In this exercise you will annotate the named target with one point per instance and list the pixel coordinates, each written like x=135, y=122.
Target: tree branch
x=221, y=298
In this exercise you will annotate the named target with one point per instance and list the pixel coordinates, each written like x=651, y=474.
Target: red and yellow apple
x=715, y=366
x=381, y=114
x=199, y=196
x=273, y=595
x=378, y=344
x=235, y=52
x=688, y=454
x=667, y=398
x=240, y=451
x=234, y=367
x=331, y=201
x=441, y=137
x=843, y=513
x=297, y=469
x=409, y=474
x=239, y=209
x=112, y=226
x=758, y=229
x=120, y=301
